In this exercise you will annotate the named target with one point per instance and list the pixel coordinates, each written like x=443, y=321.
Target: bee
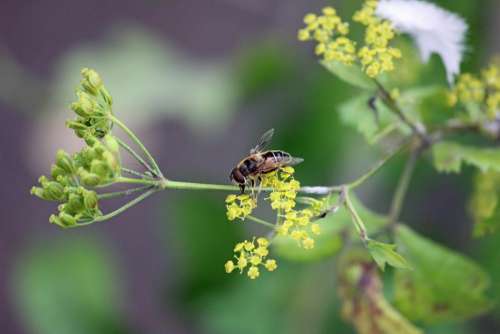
x=248, y=170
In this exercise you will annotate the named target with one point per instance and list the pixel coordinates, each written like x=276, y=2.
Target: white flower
x=433, y=29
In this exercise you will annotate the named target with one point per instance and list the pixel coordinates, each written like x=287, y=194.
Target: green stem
x=135, y=173
x=130, y=180
x=112, y=214
x=402, y=188
x=122, y=193
x=139, y=143
x=358, y=222
x=260, y=221
x=375, y=168
x=135, y=155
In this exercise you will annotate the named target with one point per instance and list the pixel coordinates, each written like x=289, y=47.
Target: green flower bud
x=91, y=82
x=57, y=171
x=75, y=204
x=89, y=179
x=100, y=168
x=106, y=96
x=111, y=161
x=53, y=219
x=54, y=191
x=64, y=161
x=43, y=180
x=90, y=199
x=112, y=144
x=38, y=192
x=67, y=219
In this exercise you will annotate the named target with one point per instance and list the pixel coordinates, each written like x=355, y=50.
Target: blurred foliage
x=69, y=286
x=73, y=286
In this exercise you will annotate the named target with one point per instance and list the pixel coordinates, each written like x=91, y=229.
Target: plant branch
x=392, y=105
x=137, y=141
x=112, y=214
x=135, y=173
x=358, y=222
x=260, y=221
x=402, y=187
x=375, y=168
x=123, y=193
x=135, y=155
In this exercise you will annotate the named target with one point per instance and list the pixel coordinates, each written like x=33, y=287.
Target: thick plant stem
x=402, y=188
x=138, y=142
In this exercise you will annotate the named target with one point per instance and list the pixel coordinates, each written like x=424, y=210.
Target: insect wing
x=263, y=142
x=294, y=161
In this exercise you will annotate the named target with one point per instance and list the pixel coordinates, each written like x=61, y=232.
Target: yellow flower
x=308, y=243
x=229, y=266
x=239, y=206
x=253, y=272
x=315, y=229
x=271, y=265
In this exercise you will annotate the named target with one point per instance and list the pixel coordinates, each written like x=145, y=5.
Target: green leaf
x=449, y=156
x=329, y=241
x=484, y=203
x=384, y=253
x=68, y=287
x=358, y=114
x=443, y=285
x=351, y=74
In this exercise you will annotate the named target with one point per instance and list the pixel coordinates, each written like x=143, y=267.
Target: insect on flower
x=248, y=170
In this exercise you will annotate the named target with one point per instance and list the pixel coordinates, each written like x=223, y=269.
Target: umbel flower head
x=92, y=107
x=291, y=222
x=250, y=256
x=482, y=90
x=376, y=56
x=329, y=32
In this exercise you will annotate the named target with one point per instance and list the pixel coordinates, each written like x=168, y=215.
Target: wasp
x=248, y=170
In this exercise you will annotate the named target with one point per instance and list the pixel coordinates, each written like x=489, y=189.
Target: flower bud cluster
x=96, y=164
x=92, y=108
x=251, y=255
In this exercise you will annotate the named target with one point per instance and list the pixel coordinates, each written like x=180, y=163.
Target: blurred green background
x=199, y=81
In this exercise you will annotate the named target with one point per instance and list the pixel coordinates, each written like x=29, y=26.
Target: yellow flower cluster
x=329, y=32
x=376, y=56
x=284, y=186
x=295, y=223
x=239, y=206
x=483, y=90
x=251, y=255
